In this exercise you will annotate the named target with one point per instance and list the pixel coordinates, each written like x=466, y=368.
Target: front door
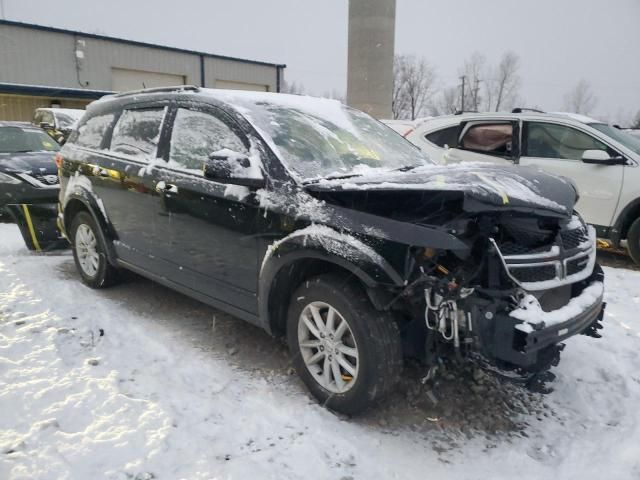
x=558, y=149
x=210, y=226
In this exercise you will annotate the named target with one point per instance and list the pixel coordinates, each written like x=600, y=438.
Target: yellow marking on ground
x=32, y=230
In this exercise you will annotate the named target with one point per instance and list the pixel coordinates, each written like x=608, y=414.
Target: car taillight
x=58, y=160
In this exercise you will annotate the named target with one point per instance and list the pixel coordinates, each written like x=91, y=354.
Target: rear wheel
x=347, y=353
x=89, y=252
x=633, y=241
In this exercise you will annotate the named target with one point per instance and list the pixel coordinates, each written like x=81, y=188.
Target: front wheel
x=89, y=252
x=633, y=241
x=346, y=352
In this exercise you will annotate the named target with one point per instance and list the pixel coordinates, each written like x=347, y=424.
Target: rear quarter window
x=444, y=137
x=92, y=132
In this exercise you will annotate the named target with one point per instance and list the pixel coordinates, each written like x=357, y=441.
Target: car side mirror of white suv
x=601, y=157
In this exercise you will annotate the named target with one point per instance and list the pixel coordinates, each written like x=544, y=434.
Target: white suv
x=603, y=161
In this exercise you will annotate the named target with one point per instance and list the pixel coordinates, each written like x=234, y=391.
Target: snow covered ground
x=138, y=382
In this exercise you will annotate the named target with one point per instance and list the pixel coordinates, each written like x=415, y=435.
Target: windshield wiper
x=331, y=177
x=406, y=168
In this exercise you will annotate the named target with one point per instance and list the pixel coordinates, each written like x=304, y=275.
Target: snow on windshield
x=318, y=137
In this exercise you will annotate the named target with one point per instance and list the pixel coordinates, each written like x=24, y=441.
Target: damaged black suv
x=321, y=225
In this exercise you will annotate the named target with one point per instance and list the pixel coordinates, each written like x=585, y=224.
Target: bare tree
x=292, y=88
x=446, y=102
x=413, y=86
x=334, y=94
x=580, y=99
x=503, y=85
x=473, y=72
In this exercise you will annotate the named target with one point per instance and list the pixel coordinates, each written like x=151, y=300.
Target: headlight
x=4, y=178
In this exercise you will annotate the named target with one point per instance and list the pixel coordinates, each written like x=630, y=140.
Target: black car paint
x=214, y=247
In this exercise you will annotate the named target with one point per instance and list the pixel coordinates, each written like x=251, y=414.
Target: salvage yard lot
x=140, y=382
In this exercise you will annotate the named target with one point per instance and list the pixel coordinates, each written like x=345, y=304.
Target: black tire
x=375, y=333
x=105, y=274
x=633, y=241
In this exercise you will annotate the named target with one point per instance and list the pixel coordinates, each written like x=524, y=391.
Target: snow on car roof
x=577, y=117
x=329, y=109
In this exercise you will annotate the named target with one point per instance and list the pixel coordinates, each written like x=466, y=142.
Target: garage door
x=123, y=79
x=230, y=85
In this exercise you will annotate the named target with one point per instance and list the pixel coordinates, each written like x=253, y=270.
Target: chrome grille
x=539, y=273
x=574, y=238
x=569, y=259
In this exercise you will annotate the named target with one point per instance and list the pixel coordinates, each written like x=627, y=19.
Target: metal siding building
x=41, y=66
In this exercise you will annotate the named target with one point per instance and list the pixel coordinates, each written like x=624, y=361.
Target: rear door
x=124, y=180
x=558, y=149
x=210, y=227
x=494, y=141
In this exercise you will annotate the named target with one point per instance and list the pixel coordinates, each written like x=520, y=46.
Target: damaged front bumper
x=527, y=341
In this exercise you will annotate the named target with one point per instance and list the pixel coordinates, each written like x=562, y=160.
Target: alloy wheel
x=86, y=249
x=328, y=347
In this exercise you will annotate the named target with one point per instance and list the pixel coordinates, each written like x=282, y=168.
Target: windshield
x=65, y=120
x=17, y=139
x=629, y=141
x=323, y=138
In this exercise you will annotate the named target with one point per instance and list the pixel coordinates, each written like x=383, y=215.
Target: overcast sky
x=559, y=41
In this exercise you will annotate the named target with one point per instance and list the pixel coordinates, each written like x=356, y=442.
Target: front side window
x=447, y=137
x=137, y=132
x=548, y=140
x=91, y=133
x=492, y=139
x=196, y=135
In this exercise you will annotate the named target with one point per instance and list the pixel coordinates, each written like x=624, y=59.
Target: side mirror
x=46, y=125
x=231, y=167
x=600, y=157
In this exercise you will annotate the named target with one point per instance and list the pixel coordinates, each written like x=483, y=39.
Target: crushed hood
x=483, y=186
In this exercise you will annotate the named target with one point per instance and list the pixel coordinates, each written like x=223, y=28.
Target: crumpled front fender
x=318, y=242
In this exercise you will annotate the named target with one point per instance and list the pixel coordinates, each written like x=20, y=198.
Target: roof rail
x=460, y=112
x=177, y=88
x=522, y=109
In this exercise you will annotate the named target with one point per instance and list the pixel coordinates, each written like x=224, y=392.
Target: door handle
x=163, y=187
x=100, y=172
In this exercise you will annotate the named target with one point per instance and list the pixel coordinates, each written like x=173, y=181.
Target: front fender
x=318, y=242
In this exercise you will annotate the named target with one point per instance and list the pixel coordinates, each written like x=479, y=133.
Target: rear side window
x=493, y=139
x=446, y=137
x=196, y=135
x=91, y=133
x=137, y=132
x=548, y=140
